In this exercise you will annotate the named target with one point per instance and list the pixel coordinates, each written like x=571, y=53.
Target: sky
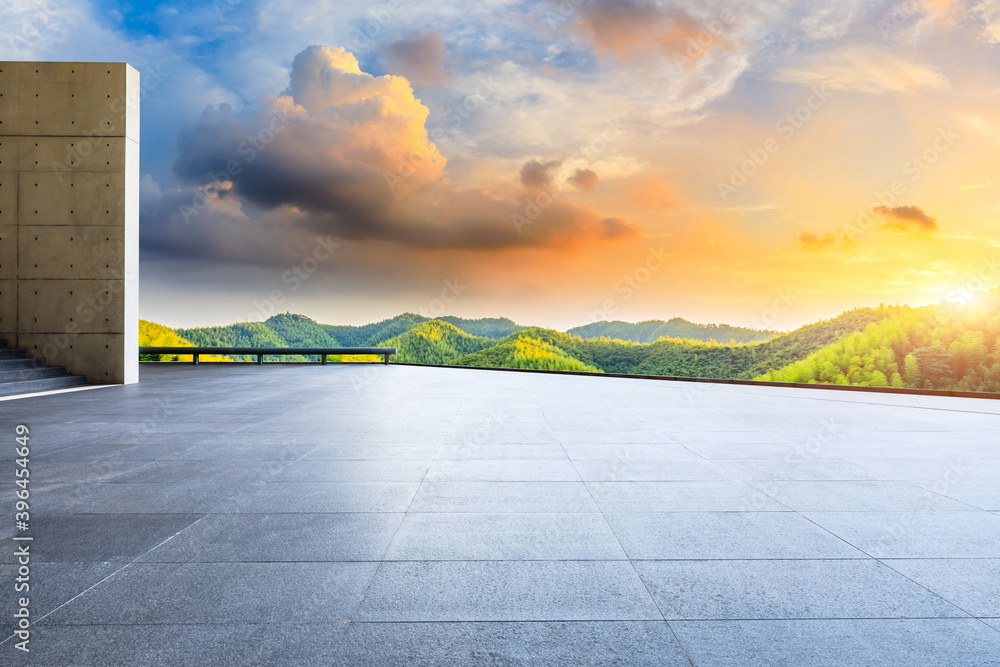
x=763, y=164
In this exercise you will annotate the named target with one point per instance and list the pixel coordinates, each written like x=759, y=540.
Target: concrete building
x=69, y=215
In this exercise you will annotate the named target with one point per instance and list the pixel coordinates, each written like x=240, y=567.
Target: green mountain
x=285, y=330
x=653, y=330
x=945, y=347
x=487, y=327
x=692, y=358
x=371, y=335
x=936, y=347
x=531, y=348
x=435, y=342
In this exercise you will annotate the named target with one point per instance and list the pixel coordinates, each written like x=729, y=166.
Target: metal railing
x=261, y=352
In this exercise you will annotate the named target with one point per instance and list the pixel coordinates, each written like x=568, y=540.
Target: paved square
x=395, y=515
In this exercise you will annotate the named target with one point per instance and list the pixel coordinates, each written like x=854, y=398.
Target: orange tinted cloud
x=811, y=241
x=906, y=219
x=630, y=28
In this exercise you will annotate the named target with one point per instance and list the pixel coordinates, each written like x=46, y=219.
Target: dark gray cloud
x=585, y=179
x=535, y=174
x=345, y=154
x=420, y=58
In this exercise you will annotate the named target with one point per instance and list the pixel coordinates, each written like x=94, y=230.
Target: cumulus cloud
x=906, y=219
x=341, y=152
x=812, y=241
x=862, y=69
x=585, y=179
x=420, y=58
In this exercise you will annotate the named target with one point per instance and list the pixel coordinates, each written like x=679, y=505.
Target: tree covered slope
x=944, y=347
x=937, y=347
x=435, y=342
x=653, y=330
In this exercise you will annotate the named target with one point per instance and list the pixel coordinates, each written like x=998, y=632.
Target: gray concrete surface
x=69, y=215
x=391, y=515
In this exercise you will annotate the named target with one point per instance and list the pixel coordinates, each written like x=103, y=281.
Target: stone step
x=18, y=364
x=13, y=354
x=32, y=373
x=44, y=384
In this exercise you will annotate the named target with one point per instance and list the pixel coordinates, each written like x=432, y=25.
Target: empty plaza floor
x=395, y=515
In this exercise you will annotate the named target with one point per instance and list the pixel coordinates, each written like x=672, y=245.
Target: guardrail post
x=195, y=359
x=323, y=357
x=260, y=359
x=386, y=357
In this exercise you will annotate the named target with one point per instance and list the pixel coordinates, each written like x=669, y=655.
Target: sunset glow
x=764, y=165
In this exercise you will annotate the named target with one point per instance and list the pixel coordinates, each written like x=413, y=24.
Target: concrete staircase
x=21, y=375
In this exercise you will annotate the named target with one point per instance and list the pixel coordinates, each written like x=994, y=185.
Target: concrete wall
x=69, y=215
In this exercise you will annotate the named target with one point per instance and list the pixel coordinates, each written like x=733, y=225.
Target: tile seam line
x=635, y=571
x=123, y=567
x=364, y=593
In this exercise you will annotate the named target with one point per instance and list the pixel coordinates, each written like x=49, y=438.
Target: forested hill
x=945, y=347
x=937, y=347
x=687, y=358
x=653, y=330
x=289, y=330
x=369, y=335
x=435, y=342
x=471, y=342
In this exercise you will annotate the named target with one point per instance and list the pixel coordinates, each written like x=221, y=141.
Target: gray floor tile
x=371, y=452
x=778, y=451
x=916, y=534
x=796, y=469
x=908, y=469
x=507, y=591
x=507, y=470
x=281, y=538
x=533, y=536
x=229, y=472
x=972, y=584
x=197, y=593
x=630, y=470
x=516, y=497
x=50, y=585
x=781, y=589
x=97, y=453
x=855, y=496
x=47, y=471
x=315, y=497
x=631, y=452
x=707, y=535
x=732, y=496
x=96, y=538
x=352, y=471
x=238, y=451
x=981, y=493
x=225, y=645
x=834, y=643
x=548, y=643
x=613, y=436
x=498, y=451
